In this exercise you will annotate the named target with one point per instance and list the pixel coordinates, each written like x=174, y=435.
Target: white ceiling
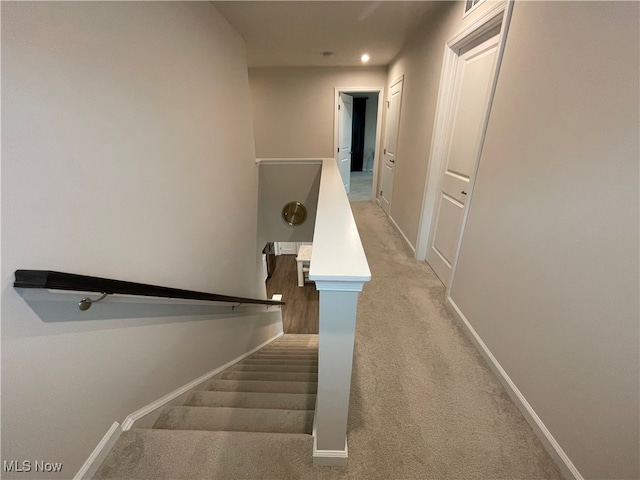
x=295, y=33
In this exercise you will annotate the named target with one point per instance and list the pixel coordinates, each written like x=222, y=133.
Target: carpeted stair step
x=287, y=351
x=276, y=361
x=288, y=401
x=291, y=348
x=260, y=367
x=298, y=337
x=295, y=346
x=271, y=376
x=293, y=358
x=172, y=454
x=261, y=386
x=236, y=419
x=286, y=354
x=282, y=358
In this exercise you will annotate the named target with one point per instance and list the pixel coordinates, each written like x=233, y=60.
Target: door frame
x=376, y=157
x=383, y=146
x=499, y=15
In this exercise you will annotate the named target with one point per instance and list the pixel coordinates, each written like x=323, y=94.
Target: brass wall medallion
x=294, y=213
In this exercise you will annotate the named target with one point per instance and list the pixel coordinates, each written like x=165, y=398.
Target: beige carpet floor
x=423, y=402
x=424, y=405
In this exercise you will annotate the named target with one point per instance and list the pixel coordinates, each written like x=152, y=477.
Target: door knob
x=463, y=192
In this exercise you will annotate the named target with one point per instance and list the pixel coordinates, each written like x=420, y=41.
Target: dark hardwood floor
x=300, y=314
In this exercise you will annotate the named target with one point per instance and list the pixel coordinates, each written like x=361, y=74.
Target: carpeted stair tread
x=310, y=348
x=288, y=401
x=276, y=361
x=296, y=341
x=286, y=354
x=265, y=356
x=302, y=348
x=173, y=454
x=270, y=376
x=261, y=386
x=235, y=419
x=260, y=367
x=288, y=358
x=292, y=360
x=294, y=346
x=287, y=351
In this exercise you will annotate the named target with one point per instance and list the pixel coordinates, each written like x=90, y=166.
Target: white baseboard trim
x=554, y=449
x=99, y=453
x=185, y=389
x=413, y=249
x=329, y=458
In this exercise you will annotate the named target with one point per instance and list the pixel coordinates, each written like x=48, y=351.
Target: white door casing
x=379, y=90
x=345, y=126
x=471, y=93
x=390, y=144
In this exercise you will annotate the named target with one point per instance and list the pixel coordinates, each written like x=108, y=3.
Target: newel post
x=338, y=306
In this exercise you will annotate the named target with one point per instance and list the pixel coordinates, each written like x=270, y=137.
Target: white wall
x=293, y=112
x=548, y=270
x=420, y=61
x=127, y=152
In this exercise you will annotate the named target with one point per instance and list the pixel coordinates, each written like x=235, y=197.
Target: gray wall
x=127, y=152
x=279, y=185
x=548, y=271
x=293, y=108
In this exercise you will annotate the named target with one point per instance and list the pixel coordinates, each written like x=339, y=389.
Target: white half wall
x=548, y=268
x=293, y=107
x=127, y=153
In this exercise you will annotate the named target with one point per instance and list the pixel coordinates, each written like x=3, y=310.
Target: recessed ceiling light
x=364, y=58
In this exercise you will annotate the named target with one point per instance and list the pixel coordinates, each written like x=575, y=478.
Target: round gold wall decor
x=294, y=213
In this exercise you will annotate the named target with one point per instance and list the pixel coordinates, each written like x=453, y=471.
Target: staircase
x=239, y=414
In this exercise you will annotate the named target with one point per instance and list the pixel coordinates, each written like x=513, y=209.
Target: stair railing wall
x=339, y=268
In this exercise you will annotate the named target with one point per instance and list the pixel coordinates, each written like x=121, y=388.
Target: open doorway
x=357, y=134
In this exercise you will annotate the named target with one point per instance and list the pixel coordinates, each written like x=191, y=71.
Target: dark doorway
x=357, y=134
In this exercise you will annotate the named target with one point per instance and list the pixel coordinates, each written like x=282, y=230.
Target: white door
x=472, y=87
x=391, y=144
x=345, y=125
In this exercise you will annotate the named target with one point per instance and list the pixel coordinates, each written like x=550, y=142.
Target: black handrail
x=84, y=283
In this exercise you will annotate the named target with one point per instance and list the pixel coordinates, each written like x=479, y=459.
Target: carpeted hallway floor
x=424, y=405
x=423, y=402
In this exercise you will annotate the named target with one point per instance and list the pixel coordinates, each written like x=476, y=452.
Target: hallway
x=423, y=402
